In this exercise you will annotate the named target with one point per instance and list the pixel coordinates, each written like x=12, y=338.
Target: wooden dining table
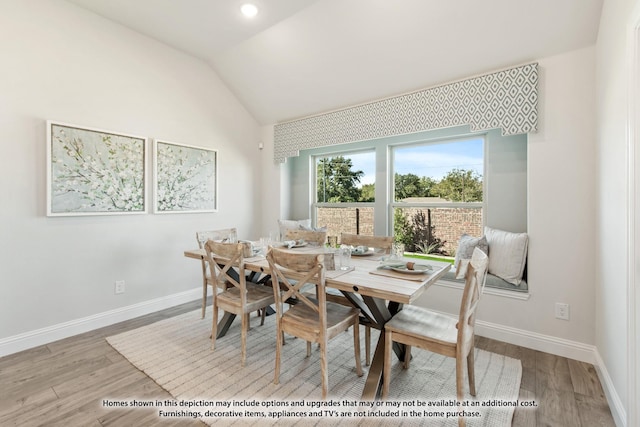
x=379, y=294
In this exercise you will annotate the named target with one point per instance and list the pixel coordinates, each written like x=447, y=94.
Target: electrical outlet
x=119, y=287
x=562, y=311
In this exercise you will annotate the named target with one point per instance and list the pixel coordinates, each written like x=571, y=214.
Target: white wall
x=63, y=63
x=613, y=227
x=561, y=216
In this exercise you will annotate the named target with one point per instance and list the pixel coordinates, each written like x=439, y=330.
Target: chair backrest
x=473, y=288
x=314, y=238
x=222, y=258
x=222, y=235
x=290, y=272
x=377, y=242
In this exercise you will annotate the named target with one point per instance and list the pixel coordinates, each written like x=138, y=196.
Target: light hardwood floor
x=63, y=383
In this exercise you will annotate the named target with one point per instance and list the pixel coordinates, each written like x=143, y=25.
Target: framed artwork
x=185, y=178
x=94, y=172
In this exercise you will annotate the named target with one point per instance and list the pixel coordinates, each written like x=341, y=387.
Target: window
x=345, y=192
x=403, y=174
x=437, y=193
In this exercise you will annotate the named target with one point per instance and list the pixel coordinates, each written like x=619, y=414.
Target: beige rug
x=176, y=353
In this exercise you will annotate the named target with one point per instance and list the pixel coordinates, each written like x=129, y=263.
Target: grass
x=450, y=260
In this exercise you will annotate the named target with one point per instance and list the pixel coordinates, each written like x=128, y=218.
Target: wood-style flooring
x=63, y=383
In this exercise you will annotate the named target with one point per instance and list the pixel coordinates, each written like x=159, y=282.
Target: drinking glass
x=265, y=242
x=397, y=251
x=345, y=257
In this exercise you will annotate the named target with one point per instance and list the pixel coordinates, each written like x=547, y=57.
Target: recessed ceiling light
x=249, y=10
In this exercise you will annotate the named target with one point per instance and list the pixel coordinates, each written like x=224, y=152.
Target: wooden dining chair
x=313, y=238
x=203, y=237
x=453, y=337
x=315, y=321
x=382, y=244
x=242, y=297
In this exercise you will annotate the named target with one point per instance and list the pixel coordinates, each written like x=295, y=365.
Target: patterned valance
x=505, y=99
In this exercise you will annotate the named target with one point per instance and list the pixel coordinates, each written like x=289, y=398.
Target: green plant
x=423, y=238
x=402, y=230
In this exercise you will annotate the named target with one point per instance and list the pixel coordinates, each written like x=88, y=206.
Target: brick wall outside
x=343, y=220
x=449, y=223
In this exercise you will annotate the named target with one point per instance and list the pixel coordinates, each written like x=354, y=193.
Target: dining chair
x=438, y=333
x=202, y=237
x=241, y=297
x=313, y=320
x=380, y=243
x=314, y=238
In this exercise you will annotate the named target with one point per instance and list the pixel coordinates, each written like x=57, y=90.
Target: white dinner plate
x=417, y=269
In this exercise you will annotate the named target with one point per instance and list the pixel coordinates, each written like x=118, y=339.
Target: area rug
x=211, y=385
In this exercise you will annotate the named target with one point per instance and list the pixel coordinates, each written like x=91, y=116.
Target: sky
x=432, y=160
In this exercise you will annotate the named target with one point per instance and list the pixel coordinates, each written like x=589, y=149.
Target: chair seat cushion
x=257, y=295
x=421, y=323
x=303, y=317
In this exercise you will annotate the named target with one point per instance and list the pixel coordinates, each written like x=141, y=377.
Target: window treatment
x=505, y=100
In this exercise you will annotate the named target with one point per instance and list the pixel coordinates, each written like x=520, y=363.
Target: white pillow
x=507, y=254
x=466, y=245
x=290, y=224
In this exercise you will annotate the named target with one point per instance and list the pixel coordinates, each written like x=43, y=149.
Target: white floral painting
x=94, y=172
x=185, y=178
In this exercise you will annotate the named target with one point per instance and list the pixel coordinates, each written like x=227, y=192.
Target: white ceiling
x=302, y=57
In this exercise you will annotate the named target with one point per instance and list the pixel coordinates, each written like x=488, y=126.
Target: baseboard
x=52, y=333
x=546, y=343
x=615, y=404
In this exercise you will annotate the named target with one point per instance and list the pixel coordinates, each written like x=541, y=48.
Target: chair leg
x=264, y=313
x=308, y=348
x=324, y=369
x=356, y=345
x=407, y=356
x=214, y=327
x=367, y=345
x=279, y=342
x=460, y=383
x=243, y=344
x=471, y=371
x=386, y=372
x=204, y=298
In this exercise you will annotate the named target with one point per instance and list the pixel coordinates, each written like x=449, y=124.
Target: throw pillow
x=508, y=254
x=466, y=245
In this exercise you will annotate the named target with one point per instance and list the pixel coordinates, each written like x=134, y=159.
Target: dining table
x=378, y=292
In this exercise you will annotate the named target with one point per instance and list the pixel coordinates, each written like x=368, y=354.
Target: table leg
x=373, y=385
x=378, y=313
x=225, y=323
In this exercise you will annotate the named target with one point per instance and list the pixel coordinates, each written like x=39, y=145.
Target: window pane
x=345, y=220
x=428, y=176
x=439, y=172
x=345, y=178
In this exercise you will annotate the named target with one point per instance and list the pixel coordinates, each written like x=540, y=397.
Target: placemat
x=398, y=275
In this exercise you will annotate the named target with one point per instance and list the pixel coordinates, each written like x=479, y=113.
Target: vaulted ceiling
x=302, y=57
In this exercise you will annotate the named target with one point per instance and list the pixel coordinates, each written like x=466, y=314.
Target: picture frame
x=185, y=178
x=95, y=172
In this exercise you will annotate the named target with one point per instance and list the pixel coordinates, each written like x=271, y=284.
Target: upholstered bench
x=492, y=282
